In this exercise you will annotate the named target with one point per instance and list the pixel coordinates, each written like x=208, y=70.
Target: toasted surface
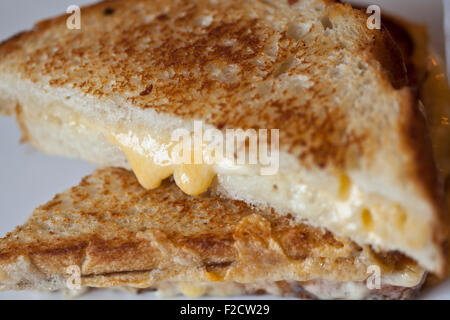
x=120, y=234
x=310, y=68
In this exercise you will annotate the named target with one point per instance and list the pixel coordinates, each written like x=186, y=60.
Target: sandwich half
x=117, y=234
x=354, y=151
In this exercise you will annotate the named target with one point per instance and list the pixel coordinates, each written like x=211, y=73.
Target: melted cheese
x=153, y=162
x=194, y=179
x=149, y=174
x=344, y=187
x=192, y=290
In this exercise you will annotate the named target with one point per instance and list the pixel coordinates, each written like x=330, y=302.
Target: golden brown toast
x=120, y=234
x=355, y=155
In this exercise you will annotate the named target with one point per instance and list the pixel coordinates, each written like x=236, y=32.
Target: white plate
x=29, y=179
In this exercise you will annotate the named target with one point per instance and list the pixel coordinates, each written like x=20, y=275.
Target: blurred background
x=429, y=12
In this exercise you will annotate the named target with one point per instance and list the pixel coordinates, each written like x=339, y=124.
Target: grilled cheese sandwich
x=354, y=153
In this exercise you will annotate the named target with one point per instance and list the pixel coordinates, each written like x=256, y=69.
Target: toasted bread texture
x=310, y=68
x=119, y=234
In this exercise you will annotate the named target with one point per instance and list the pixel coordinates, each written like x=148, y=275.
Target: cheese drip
x=152, y=165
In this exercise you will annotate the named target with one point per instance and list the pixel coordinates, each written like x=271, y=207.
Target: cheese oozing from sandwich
x=156, y=162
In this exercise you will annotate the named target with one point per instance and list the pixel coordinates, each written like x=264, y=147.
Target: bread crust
x=423, y=168
x=413, y=42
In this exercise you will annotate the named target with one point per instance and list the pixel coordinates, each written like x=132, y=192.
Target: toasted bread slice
x=119, y=234
x=354, y=150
